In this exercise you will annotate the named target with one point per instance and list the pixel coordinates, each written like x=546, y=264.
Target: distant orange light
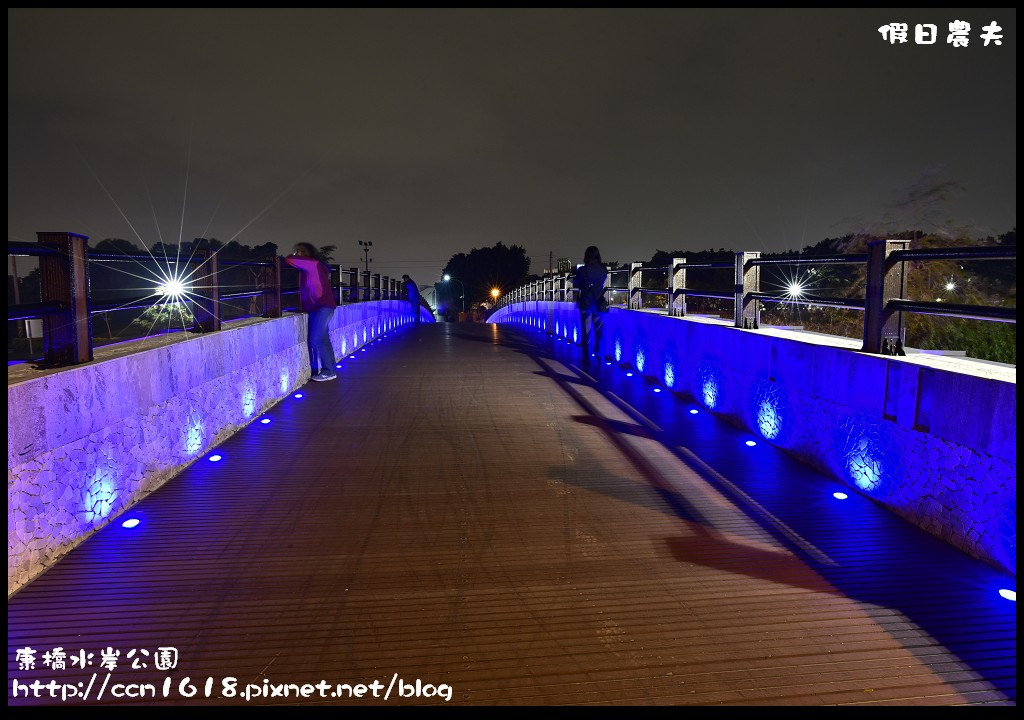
x=495, y=293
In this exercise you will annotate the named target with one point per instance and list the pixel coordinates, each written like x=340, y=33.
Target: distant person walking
x=317, y=300
x=413, y=293
x=589, y=282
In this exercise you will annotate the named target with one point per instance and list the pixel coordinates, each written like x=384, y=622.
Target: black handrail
x=811, y=260
x=958, y=253
x=64, y=260
x=844, y=303
x=31, y=311
x=965, y=312
x=24, y=248
x=882, y=305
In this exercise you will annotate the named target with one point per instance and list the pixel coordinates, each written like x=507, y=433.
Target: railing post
x=375, y=286
x=272, y=289
x=334, y=281
x=206, y=305
x=677, y=288
x=353, y=285
x=365, y=283
x=64, y=278
x=634, y=297
x=746, y=310
x=886, y=280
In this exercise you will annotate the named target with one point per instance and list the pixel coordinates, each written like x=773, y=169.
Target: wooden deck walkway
x=465, y=512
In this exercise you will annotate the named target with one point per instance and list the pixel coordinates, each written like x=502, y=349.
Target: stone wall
x=86, y=443
x=935, y=444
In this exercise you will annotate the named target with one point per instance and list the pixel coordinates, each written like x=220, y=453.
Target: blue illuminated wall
x=86, y=443
x=934, y=445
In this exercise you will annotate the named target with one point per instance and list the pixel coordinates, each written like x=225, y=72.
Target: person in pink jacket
x=317, y=300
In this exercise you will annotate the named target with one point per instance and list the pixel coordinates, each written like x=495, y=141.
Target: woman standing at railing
x=317, y=300
x=589, y=283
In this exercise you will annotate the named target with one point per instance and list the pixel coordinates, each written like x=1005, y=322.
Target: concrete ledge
x=932, y=438
x=86, y=443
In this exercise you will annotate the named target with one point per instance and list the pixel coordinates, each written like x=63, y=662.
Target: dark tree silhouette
x=483, y=269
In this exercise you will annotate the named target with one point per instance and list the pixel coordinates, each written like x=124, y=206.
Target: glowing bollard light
x=298, y=396
x=657, y=389
x=130, y=523
x=840, y=495
x=693, y=412
x=629, y=374
x=265, y=421
x=750, y=443
x=216, y=458
x=1010, y=595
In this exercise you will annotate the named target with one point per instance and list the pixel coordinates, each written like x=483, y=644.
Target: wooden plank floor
x=466, y=510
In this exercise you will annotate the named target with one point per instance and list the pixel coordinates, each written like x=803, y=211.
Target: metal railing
x=66, y=305
x=884, y=302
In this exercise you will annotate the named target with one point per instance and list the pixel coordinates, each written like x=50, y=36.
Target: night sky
x=433, y=132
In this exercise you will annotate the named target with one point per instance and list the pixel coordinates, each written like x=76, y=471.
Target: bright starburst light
x=173, y=288
x=169, y=274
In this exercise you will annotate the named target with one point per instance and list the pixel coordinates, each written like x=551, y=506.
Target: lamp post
x=366, y=253
x=449, y=277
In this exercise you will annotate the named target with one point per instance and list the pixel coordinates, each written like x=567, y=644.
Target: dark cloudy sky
x=431, y=132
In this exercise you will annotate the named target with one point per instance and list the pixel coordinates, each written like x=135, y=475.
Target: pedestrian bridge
x=467, y=516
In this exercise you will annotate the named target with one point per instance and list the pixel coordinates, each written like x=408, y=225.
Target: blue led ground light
x=827, y=407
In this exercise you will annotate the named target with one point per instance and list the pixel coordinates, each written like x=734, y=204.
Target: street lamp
x=449, y=277
x=366, y=253
x=495, y=292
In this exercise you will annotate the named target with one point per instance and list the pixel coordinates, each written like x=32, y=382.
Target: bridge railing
x=66, y=305
x=883, y=304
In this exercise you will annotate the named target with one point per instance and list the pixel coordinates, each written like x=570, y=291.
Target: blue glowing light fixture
x=130, y=523
x=840, y=495
x=216, y=458
x=265, y=421
x=629, y=374
x=693, y=412
x=750, y=443
x=1010, y=595
x=657, y=389
x=298, y=396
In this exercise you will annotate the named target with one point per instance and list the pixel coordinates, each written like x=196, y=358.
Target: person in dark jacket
x=317, y=300
x=589, y=282
x=413, y=293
